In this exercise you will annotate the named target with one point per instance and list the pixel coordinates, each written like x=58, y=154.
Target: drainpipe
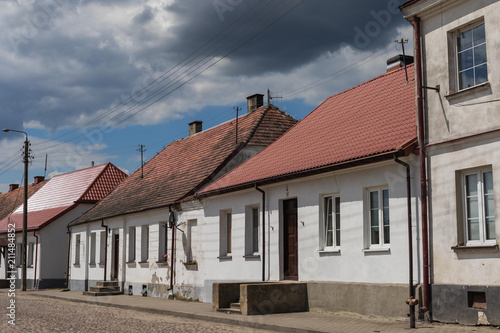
x=411, y=301
x=36, y=258
x=263, y=232
x=171, y=219
x=105, y=248
x=67, y=263
x=423, y=172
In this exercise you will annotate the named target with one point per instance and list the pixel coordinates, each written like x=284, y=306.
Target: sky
x=91, y=80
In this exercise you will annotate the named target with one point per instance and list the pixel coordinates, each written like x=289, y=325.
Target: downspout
x=67, y=263
x=172, y=250
x=411, y=301
x=36, y=258
x=423, y=172
x=105, y=248
x=263, y=232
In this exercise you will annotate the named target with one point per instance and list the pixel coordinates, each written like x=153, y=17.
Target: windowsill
x=92, y=264
x=460, y=248
x=162, y=262
x=225, y=258
x=130, y=262
x=101, y=264
x=192, y=265
x=329, y=251
x=252, y=256
x=468, y=91
x=377, y=249
x=74, y=264
x=143, y=262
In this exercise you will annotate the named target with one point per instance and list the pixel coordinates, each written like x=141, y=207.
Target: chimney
x=39, y=179
x=195, y=127
x=254, y=102
x=13, y=187
x=398, y=62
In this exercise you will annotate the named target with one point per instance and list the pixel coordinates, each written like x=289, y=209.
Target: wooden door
x=290, y=240
x=116, y=257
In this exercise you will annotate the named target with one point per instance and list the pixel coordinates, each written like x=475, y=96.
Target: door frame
x=115, y=256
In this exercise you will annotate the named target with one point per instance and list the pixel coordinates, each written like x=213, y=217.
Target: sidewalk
x=310, y=322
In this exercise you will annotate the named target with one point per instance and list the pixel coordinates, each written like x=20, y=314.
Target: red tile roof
x=63, y=193
x=11, y=200
x=373, y=118
x=188, y=164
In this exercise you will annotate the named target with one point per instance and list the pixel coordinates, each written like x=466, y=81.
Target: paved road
x=36, y=314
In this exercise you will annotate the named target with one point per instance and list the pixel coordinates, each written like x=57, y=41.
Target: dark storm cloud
x=315, y=27
x=146, y=16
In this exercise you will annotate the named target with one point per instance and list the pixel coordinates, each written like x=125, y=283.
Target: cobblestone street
x=35, y=314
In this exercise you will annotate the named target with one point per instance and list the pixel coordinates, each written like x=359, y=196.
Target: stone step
x=106, y=293
x=107, y=284
x=104, y=289
x=229, y=310
x=235, y=306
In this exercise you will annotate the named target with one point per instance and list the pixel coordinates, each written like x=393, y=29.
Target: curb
x=197, y=316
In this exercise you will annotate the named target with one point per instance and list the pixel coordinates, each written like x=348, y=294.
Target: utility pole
x=141, y=149
x=237, y=109
x=26, y=160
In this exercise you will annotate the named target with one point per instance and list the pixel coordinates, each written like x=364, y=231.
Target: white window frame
x=144, y=243
x=382, y=243
x=252, y=230
x=31, y=254
x=336, y=218
x=77, y=249
x=225, y=233
x=92, y=249
x=190, y=257
x=481, y=207
x=102, y=248
x=457, y=70
x=132, y=232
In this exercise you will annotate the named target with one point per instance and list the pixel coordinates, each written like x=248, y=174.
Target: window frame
x=225, y=233
x=102, y=247
x=481, y=207
x=31, y=254
x=336, y=222
x=252, y=230
x=163, y=242
x=92, y=249
x=132, y=243
x=382, y=244
x=189, y=238
x=144, y=243
x=77, y=249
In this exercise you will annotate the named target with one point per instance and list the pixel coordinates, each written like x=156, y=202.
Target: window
x=92, y=247
x=478, y=207
x=378, y=218
x=163, y=244
x=19, y=254
x=31, y=252
x=191, y=240
x=252, y=230
x=144, y=243
x=472, y=68
x=77, y=250
x=331, y=222
x=102, y=249
x=131, y=244
x=225, y=233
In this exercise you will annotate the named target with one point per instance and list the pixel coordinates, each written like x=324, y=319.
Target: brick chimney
x=195, y=127
x=39, y=179
x=13, y=187
x=398, y=62
x=254, y=102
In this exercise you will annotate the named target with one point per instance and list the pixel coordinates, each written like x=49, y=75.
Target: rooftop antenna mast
x=403, y=41
x=237, y=109
x=269, y=97
x=141, y=149
x=45, y=171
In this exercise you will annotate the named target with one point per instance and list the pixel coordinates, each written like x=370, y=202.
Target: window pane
x=374, y=200
x=466, y=79
x=465, y=59
x=255, y=233
x=465, y=40
x=387, y=231
x=480, y=54
x=471, y=184
x=374, y=218
x=228, y=233
x=337, y=220
x=490, y=228
x=488, y=182
x=479, y=35
x=481, y=73
x=472, y=208
x=328, y=221
x=473, y=229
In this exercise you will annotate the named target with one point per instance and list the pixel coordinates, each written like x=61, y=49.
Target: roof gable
x=373, y=118
x=186, y=165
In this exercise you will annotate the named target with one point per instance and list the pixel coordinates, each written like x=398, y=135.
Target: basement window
x=476, y=300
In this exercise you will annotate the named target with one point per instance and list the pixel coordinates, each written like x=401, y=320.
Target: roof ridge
x=94, y=181
x=78, y=170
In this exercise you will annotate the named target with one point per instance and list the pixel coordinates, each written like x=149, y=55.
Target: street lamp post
x=25, y=207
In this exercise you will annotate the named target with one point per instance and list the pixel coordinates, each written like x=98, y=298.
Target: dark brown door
x=116, y=252
x=290, y=240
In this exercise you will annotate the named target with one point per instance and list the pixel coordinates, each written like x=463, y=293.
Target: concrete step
x=229, y=310
x=107, y=284
x=235, y=306
x=107, y=293
x=104, y=289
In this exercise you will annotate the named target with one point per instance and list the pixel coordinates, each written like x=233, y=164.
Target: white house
x=326, y=204
x=142, y=230
x=61, y=199
x=458, y=42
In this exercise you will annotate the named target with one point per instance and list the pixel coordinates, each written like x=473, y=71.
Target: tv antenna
x=269, y=97
x=403, y=41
